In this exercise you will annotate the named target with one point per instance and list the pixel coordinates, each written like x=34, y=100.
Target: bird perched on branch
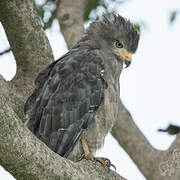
x=74, y=104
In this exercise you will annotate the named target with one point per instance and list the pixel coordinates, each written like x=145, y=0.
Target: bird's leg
x=88, y=156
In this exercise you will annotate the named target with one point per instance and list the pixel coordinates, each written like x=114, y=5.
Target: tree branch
x=29, y=45
x=26, y=157
x=139, y=149
x=53, y=16
x=70, y=16
x=26, y=37
x=21, y=153
x=5, y=51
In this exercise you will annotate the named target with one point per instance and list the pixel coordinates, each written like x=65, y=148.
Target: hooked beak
x=127, y=62
x=126, y=58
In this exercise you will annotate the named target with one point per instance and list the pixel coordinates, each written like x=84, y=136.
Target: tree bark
x=70, y=16
x=147, y=158
x=30, y=47
x=26, y=157
x=21, y=153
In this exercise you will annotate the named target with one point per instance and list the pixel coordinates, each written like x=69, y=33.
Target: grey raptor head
x=116, y=33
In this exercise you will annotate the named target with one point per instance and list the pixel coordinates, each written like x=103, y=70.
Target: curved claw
x=83, y=157
x=105, y=162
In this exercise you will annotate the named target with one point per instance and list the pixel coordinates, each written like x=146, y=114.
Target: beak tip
x=127, y=63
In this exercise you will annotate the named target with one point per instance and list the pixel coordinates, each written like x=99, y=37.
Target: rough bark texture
x=70, y=15
x=30, y=47
x=21, y=153
x=25, y=157
x=125, y=131
x=140, y=150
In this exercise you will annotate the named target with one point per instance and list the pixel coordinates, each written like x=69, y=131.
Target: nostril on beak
x=128, y=56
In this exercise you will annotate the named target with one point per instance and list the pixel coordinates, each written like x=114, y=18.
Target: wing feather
x=65, y=100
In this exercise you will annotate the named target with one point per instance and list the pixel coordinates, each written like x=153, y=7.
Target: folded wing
x=67, y=95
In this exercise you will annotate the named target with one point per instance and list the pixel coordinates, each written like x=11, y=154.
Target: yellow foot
x=104, y=161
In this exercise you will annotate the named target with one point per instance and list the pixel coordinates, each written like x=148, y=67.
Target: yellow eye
x=119, y=45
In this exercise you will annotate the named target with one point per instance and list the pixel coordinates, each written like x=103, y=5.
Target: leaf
x=40, y=10
x=137, y=27
x=91, y=4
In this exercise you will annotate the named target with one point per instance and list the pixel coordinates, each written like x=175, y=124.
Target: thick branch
x=30, y=47
x=70, y=15
x=139, y=149
x=27, y=39
x=25, y=157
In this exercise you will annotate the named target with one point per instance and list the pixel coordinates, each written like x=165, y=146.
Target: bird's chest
x=101, y=125
x=105, y=115
x=104, y=119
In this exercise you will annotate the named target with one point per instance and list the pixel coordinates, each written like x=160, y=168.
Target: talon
x=105, y=162
x=89, y=157
x=113, y=166
x=101, y=160
x=83, y=157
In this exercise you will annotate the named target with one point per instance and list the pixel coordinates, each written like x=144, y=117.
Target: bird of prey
x=74, y=104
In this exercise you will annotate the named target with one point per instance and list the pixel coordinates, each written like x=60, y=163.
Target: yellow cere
x=124, y=54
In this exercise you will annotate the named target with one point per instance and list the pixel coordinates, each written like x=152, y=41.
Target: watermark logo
x=169, y=167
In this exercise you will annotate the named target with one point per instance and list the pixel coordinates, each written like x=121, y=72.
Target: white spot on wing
x=102, y=72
